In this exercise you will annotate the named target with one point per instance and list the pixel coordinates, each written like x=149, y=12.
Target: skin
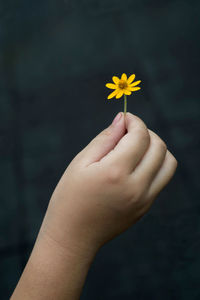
x=105, y=189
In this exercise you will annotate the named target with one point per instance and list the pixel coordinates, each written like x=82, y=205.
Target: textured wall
x=55, y=58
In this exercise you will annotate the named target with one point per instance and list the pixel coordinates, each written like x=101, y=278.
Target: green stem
x=125, y=104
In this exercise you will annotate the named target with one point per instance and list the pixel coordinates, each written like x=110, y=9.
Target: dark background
x=55, y=58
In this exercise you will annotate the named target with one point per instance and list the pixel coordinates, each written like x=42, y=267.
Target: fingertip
x=128, y=117
x=125, y=118
x=118, y=120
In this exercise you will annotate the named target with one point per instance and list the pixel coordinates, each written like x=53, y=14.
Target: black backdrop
x=55, y=58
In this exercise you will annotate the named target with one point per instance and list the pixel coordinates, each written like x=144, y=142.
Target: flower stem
x=125, y=104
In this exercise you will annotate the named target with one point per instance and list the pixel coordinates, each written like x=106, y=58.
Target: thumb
x=105, y=141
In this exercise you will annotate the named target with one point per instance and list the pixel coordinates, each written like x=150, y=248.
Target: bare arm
x=106, y=188
x=53, y=272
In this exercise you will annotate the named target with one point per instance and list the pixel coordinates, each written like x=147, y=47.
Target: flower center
x=122, y=84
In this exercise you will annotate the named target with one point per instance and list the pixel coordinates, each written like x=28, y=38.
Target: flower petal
x=133, y=89
x=124, y=77
x=111, y=86
x=131, y=78
x=127, y=92
x=115, y=79
x=119, y=94
x=135, y=83
x=113, y=94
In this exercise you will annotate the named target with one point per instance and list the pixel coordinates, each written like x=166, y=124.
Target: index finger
x=132, y=146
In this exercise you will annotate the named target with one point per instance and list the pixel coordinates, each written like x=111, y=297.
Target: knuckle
x=143, y=133
x=114, y=175
x=162, y=145
x=106, y=132
x=155, y=139
x=138, y=121
x=173, y=160
x=175, y=163
x=136, y=195
x=159, y=143
x=102, y=135
x=135, y=192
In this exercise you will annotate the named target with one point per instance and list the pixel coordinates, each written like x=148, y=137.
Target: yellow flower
x=123, y=86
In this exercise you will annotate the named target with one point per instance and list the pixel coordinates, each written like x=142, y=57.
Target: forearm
x=53, y=272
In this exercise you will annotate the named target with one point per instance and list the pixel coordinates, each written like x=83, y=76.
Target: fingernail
x=117, y=118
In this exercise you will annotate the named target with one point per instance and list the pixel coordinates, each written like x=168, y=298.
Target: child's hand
x=109, y=185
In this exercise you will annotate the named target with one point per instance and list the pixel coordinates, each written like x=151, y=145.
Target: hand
x=109, y=185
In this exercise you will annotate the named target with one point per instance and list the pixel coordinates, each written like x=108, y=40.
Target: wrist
x=70, y=246
x=54, y=271
x=64, y=235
